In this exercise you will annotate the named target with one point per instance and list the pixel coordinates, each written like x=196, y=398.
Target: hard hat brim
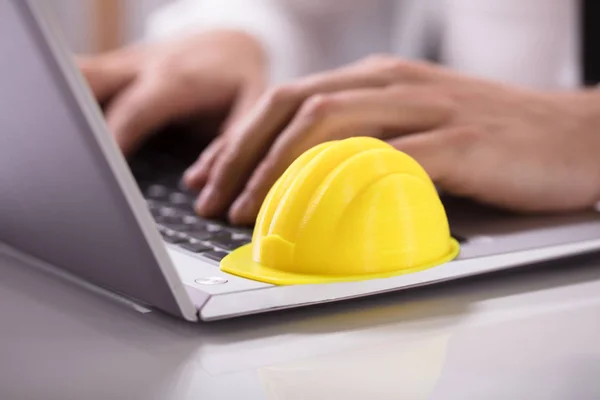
x=241, y=263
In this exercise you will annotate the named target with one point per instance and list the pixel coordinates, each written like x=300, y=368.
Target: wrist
x=580, y=114
x=589, y=103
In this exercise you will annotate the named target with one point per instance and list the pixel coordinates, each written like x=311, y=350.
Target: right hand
x=145, y=87
x=521, y=150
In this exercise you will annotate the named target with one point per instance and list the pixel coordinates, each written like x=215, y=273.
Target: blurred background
x=99, y=25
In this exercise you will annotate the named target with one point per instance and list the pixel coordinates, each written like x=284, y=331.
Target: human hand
x=517, y=149
x=145, y=87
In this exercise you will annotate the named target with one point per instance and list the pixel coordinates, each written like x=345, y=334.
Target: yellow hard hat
x=346, y=210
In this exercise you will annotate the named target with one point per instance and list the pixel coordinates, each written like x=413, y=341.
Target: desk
x=532, y=334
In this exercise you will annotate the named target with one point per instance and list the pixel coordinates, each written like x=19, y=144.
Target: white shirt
x=532, y=43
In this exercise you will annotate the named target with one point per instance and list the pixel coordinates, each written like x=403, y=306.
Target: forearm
x=583, y=108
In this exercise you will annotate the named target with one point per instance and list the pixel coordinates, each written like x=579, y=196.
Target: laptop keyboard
x=171, y=205
x=172, y=209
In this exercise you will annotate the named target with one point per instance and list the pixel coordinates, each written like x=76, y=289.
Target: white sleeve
x=285, y=33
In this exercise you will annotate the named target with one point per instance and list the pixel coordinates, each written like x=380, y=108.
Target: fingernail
x=195, y=178
x=243, y=210
x=190, y=174
x=237, y=209
x=206, y=200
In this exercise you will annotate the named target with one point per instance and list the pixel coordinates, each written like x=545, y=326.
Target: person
x=503, y=124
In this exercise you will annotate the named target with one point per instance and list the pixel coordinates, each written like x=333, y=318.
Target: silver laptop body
x=69, y=201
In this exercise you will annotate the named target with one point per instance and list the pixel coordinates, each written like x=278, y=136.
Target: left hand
x=514, y=148
x=145, y=87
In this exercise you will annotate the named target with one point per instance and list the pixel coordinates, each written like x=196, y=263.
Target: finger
x=196, y=176
x=104, y=81
x=145, y=106
x=375, y=112
x=250, y=139
x=278, y=106
x=249, y=96
x=442, y=153
x=108, y=74
x=399, y=70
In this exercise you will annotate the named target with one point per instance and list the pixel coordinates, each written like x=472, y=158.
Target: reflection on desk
x=526, y=334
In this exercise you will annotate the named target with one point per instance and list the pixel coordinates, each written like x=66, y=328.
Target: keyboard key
x=168, y=220
x=185, y=208
x=195, y=222
x=157, y=192
x=172, y=237
x=214, y=227
x=179, y=198
x=246, y=237
x=215, y=255
x=200, y=234
x=203, y=226
x=167, y=211
x=191, y=220
x=237, y=229
x=196, y=247
x=155, y=212
x=154, y=204
x=178, y=227
x=228, y=243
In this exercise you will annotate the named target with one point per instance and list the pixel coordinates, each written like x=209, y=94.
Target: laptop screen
x=59, y=199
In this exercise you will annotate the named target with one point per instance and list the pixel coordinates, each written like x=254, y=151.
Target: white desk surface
x=532, y=334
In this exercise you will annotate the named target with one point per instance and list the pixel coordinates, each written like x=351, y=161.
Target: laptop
x=70, y=201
